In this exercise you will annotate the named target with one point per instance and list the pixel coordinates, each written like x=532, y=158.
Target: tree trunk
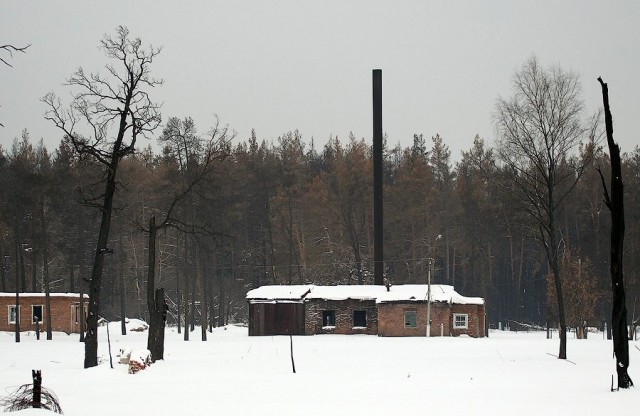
x=72, y=287
x=203, y=294
x=18, y=257
x=93, y=309
x=81, y=318
x=37, y=388
x=193, y=272
x=616, y=207
x=34, y=270
x=45, y=263
x=185, y=271
x=121, y=289
x=156, y=304
x=3, y=270
x=555, y=268
x=23, y=279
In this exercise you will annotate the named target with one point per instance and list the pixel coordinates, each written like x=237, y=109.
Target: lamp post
x=429, y=286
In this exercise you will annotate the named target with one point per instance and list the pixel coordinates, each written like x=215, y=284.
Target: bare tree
x=538, y=128
x=104, y=121
x=615, y=203
x=203, y=156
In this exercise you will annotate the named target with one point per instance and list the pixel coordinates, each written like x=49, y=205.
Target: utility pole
x=431, y=260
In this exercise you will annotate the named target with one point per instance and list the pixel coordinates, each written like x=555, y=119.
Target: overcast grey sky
x=277, y=66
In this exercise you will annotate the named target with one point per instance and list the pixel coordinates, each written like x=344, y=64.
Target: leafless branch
x=10, y=49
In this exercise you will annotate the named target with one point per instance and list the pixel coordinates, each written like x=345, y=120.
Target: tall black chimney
x=378, y=257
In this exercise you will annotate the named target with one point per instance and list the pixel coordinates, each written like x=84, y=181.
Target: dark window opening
x=359, y=318
x=328, y=318
x=36, y=313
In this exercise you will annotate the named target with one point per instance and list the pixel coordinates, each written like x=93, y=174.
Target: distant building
x=358, y=309
x=65, y=311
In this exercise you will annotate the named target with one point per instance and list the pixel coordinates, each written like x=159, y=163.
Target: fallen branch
x=555, y=356
x=23, y=398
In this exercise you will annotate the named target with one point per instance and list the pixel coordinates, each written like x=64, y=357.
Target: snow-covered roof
x=439, y=293
x=342, y=292
x=38, y=294
x=282, y=292
x=396, y=293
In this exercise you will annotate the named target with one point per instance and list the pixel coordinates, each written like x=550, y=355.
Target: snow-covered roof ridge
x=36, y=294
x=396, y=293
x=285, y=292
x=343, y=292
x=439, y=293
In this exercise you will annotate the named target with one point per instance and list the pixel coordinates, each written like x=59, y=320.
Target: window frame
x=328, y=313
x=465, y=316
x=362, y=315
x=415, y=319
x=33, y=315
x=75, y=312
x=15, y=315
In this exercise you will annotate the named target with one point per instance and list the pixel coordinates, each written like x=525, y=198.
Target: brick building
x=402, y=311
x=341, y=310
x=65, y=311
x=394, y=311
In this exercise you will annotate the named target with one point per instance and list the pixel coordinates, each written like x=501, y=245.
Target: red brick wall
x=391, y=319
x=344, y=316
x=475, y=322
x=61, y=316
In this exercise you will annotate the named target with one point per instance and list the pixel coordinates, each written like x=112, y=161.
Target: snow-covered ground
x=233, y=374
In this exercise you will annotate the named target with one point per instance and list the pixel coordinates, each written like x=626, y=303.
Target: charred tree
x=115, y=110
x=615, y=203
x=155, y=301
x=214, y=149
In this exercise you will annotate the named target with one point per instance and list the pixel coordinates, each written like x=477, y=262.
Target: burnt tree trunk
x=37, y=388
x=615, y=203
x=93, y=309
x=155, y=301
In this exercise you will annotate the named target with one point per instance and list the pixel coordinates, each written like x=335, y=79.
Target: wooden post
x=293, y=364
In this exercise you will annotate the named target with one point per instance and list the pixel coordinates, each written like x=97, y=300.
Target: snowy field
x=233, y=374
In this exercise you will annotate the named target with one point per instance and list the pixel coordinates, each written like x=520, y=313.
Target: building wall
x=391, y=319
x=61, y=313
x=343, y=316
x=273, y=318
x=476, y=321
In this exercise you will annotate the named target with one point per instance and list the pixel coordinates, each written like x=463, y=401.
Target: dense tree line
x=519, y=225
x=284, y=211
